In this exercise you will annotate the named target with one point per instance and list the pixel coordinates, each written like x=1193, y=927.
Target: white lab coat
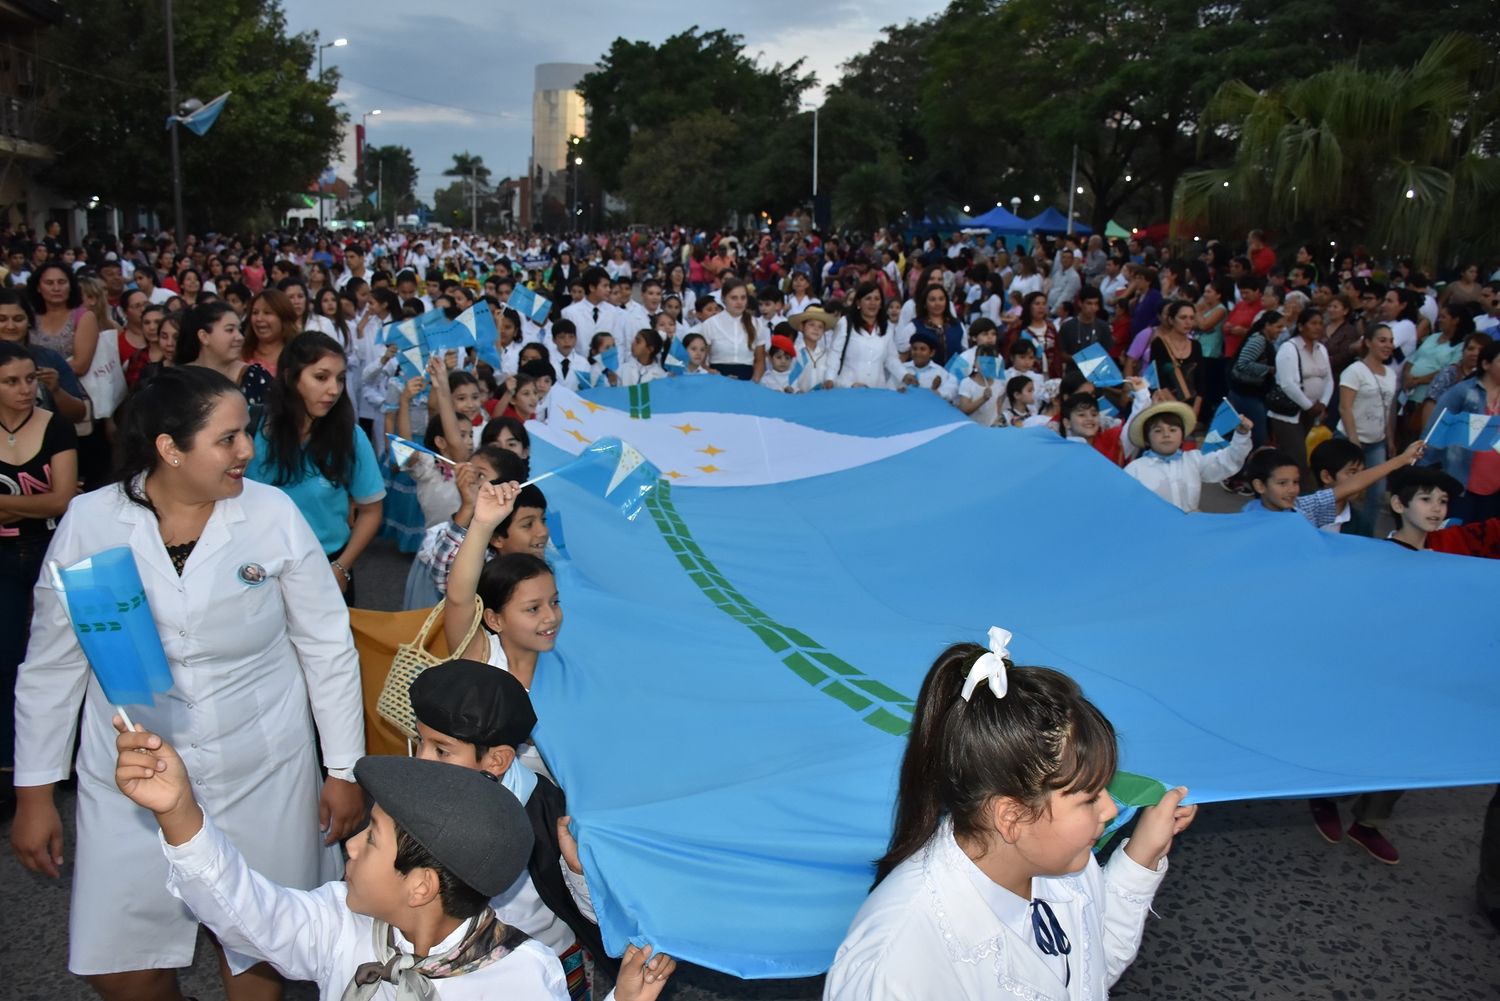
x=1180, y=481
x=927, y=932
x=315, y=936
x=253, y=666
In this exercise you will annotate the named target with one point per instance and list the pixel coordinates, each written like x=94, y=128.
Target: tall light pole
x=177, y=220
x=337, y=43
x=814, y=109
x=577, y=162
x=1072, y=188
x=364, y=146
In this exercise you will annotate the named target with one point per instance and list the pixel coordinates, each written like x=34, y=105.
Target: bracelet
x=348, y=577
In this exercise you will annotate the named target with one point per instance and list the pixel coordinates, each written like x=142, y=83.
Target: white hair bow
x=991, y=666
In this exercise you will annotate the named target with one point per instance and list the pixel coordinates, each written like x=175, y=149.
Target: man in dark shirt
x=1088, y=327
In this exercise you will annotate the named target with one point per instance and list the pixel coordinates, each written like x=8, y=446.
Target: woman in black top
x=38, y=477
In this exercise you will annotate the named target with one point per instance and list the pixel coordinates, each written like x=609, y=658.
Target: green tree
x=640, y=87
x=276, y=133
x=468, y=164
x=1404, y=155
x=870, y=195
x=392, y=170
x=676, y=172
x=1014, y=85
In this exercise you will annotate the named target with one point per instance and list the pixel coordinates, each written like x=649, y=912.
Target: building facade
x=557, y=115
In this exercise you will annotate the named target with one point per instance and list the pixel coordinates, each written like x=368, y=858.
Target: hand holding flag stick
x=1437, y=422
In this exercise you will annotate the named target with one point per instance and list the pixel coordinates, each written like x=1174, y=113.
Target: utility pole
x=1072, y=188
x=473, y=198
x=177, y=220
x=380, y=190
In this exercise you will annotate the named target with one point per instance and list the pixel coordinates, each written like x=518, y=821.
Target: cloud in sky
x=457, y=75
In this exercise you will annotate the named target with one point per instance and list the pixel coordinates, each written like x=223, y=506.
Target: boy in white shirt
x=1023, y=361
x=783, y=352
x=413, y=910
x=564, y=347
x=1172, y=474
x=922, y=373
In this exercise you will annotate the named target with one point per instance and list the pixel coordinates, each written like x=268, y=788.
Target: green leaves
x=276, y=133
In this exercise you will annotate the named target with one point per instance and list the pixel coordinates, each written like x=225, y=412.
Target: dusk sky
x=451, y=76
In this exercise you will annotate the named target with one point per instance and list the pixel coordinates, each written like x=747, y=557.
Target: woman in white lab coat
x=863, y=352
x=990, y=888
x=257, y=637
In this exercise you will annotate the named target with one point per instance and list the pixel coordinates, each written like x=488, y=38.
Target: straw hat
x=1182, y=410
x=830, y=320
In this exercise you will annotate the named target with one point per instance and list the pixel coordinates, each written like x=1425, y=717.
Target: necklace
x=11, y=432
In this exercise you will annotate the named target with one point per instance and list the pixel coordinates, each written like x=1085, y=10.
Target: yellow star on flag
x=686, y=428
x=710, y=468
x=594, y=408
x=673, y=473
x=579, y=435
x=571, y=416
x=710, y=451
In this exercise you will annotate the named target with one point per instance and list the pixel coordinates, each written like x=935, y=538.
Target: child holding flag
x=979, y=393
x=1175, y=475
x=644, y=363
x=991, y=876
x=922, y=373
x=812, y=327
x=1276, y=478
x=1083, y=422
x=412, y=920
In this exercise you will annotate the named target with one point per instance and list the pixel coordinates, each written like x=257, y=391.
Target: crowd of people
x=222, y=408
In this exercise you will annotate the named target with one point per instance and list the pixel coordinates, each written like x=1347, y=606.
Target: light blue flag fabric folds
x=530, y=305
x=1098, y=367
x=677, y=355
x=1221, y=428
x=1107, y=408
x=729, y=731
x=112, y=619
x=200, y=121
x=609, y=358
x=612, y=469
x=958, y=366
x=989, y=366
x=1475, y=432
x=1152, y=380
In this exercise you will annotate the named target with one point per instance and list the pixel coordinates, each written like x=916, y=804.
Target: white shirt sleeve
x=296, y=931
x=1287, y=376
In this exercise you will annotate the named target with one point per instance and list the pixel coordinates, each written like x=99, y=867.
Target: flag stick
x=57, y=584
x=1232, y=410
x=1435, y=422
x=538, y=479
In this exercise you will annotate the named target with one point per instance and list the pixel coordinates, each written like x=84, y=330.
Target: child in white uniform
x=1175, y=476
x=779, y=370
x=411, y=920
x=990, y=885
x=922, y=373
x=980, y=392
x=644, y=363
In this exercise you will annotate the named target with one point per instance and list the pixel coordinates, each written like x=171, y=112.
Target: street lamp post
x=337, y=43
x=577, y=162
x=177, y=220
x=364, y=122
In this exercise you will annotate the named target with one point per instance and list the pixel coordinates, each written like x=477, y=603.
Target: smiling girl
x=310, y=447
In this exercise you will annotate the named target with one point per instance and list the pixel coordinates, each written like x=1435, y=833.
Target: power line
x=507, y=115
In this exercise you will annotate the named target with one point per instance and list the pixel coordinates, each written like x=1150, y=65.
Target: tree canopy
x=277, y=132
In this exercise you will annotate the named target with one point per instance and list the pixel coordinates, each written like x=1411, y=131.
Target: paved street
x=1256, y=906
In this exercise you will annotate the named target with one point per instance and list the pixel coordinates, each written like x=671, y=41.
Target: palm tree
x=1403, y=158
x=471, y=168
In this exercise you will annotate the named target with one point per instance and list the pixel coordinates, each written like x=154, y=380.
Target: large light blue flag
x=200, y=121
x=1098, y=367
x=107, y=605
x=728, y=727
x=1221, y=428
x=1475, y=432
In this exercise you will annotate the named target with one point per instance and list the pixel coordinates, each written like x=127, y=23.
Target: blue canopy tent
x=1053, y=221
x=1000, y=220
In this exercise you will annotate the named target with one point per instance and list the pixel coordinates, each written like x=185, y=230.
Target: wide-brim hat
x=1182, y=410
x=830, y=320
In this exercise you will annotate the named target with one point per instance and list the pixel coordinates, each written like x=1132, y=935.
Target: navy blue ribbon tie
x=1050, y=937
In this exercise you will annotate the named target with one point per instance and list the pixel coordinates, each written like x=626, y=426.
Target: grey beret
x=469, y=822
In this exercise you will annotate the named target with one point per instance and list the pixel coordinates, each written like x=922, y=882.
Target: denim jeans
x=1365, y=514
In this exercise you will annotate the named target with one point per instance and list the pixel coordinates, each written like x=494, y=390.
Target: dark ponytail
x=175, y=402
x=1041, y=737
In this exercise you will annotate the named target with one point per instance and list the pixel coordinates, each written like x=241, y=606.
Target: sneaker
x=1326, y=816
x=1375, y=843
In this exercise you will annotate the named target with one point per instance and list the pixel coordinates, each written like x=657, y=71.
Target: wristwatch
x=342, y=774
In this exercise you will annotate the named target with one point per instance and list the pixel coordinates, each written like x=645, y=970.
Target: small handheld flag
x=531, y=306
x=403, y=449
x=799, y=365
x=612, y=469
x=989, y=366
x=1221, y=429
x=1106, y=408
x=609, y=358
x=958, y=366
x=1475, y=432
x=677, y=355
x=106, y=603
x=201, y=119
x=1152, y=380
x=1098, y=367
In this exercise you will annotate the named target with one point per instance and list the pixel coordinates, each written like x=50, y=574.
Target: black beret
x=474, y=702
x=473, y=826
